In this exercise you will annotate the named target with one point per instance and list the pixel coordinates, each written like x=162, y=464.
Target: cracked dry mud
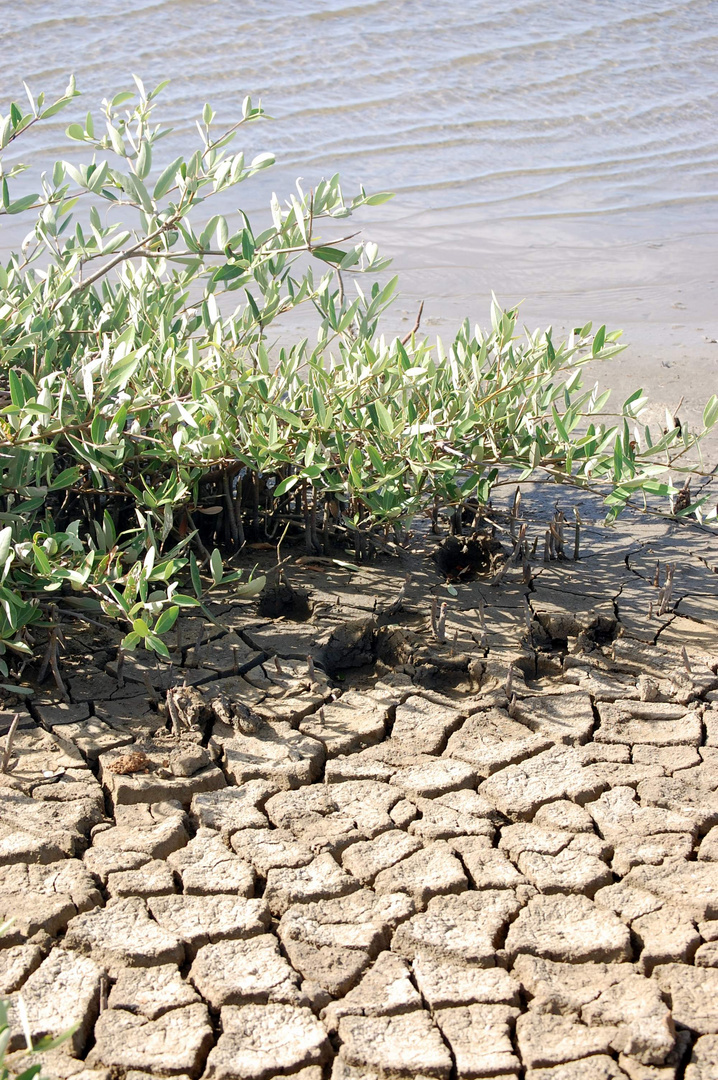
x=495, y=857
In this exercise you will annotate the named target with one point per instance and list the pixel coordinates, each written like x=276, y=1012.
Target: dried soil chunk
x=367, y=803
x=403, y=1045
x=670, y=758
x=433, y=871
x=487, y=867
x=692, y=885
x=124, y=935
x=433, y=777
x=424, y=725
x=686, y=794
x=260, y=1041
x=102, y=862
x=361, y=920
x=175, y=1043
x=56, y=1065
x=545, y=1040
x=333, y=941
x=67, y=878
x=347, y=725
x=151, y=992
x=92, y=736
x=619, y=816
x=368, y=858
x=384, y=990
x=570, y=871
x=693, y=996
x=147, y=786
x=270, y=849
x=563, y=718
x=707, y=955
x=665, y=935
x=444, y=983
x=519, y=790
x=527, y=837
x=651, y=850
x=636, y=1009
x=198, y=920
x=207, y=866
x=276, y=753
x=462, y=928
x=155, y=878
x=158, y=840
x=596, y=1067
x=42, y=831
x=703, y=1064
x=708, y=851
x=244, y=972
x=564, y=815
x=568, y=928
x=480, y=1039
x=233, y=808
x=562, y=988
x=491, y=740
x=654, y=723
x=16, y=963
x=321, y=879
x=441, y=821
x=63, y=992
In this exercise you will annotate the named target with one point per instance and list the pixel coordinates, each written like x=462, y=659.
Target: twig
x=56, y=668
x=174, y=714
x=153, y=698
x=434, y=609
x=9, y=740
x=405, y=340
x=577, y=535
x=120, y=665
x=509, y=682
x=198, y=646
x=686, y=661
x=441, y=625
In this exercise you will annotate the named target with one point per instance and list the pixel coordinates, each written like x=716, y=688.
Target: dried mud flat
x=492, y=857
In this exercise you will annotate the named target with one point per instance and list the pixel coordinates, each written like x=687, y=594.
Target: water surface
x=562, y=152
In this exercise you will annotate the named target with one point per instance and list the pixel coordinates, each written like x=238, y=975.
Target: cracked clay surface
x=344, y=848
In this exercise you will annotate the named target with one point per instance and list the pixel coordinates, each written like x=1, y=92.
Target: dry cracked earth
x=491, y=857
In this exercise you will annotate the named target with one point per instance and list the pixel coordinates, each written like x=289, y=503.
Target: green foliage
x=146, y=417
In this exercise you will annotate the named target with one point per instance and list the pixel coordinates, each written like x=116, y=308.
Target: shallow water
x=563, y=152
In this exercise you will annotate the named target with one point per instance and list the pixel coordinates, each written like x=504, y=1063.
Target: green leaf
x=157, y=645
x=598, y=341
x=75, y=131
x=166, y=620
x=329, y=254
x=5, y=542
x=710, y=412
x=285, y=485
x=182, y=600
x=166, y=178
x=251, y=588
x=194, y=573
x=215, y=565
